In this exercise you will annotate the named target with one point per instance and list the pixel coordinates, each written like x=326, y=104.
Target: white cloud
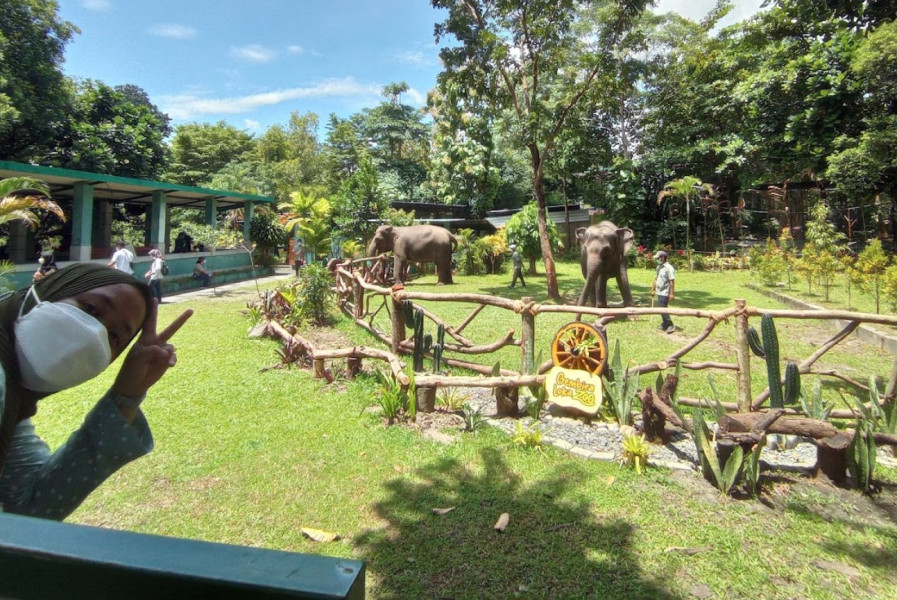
x=252, y=125
x=413, y=57
x=253, y=53
x=190, y=106
x=172, y=31
x=698, y=9
x=295, y=49
x=97, y=5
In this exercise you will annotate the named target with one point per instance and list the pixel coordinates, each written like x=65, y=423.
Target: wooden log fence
x=362, y=297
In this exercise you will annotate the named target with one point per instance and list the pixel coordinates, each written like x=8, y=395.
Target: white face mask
x=59, y=346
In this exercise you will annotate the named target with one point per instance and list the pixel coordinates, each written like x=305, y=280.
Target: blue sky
x=253, y=62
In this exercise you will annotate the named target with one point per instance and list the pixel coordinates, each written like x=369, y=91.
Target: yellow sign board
x=575, y=389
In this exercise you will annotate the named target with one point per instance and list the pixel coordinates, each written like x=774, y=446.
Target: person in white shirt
x=664, y=286
x=122, y=259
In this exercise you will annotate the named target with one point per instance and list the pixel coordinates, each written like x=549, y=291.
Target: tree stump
x=506, y=402
x=426, y=399
x=353, y=367
x=831, y=457
x=319, y=368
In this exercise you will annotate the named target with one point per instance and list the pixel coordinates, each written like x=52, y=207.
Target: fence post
x=743, y=357
x=398, y=319
x=358, y=298
x=527, y=338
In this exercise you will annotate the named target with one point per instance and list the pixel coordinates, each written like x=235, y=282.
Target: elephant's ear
x=628, y=239
x=581, y=234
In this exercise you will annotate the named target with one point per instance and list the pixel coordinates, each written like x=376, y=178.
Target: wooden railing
x=42, y=559
x=362, y=299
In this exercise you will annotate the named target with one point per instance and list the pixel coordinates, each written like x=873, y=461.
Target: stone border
x=865, y=332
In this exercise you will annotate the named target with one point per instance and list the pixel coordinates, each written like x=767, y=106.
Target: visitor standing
x=518, y=266
x=122, y=259
x=664, y=287
x=155, y=274
x=65, y=329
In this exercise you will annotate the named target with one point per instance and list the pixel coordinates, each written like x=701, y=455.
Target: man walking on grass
x=664, y=285
x=518, y=267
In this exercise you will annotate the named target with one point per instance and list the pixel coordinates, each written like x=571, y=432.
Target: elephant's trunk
x=372, y=248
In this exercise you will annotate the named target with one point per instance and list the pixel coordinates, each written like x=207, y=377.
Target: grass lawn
x=249, y=456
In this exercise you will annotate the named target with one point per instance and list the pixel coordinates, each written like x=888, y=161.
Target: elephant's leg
x=444, y=269
x=602, y=291
x=398, y=269
x=625, y=290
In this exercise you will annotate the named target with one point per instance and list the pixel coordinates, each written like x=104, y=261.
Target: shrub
x=314, y=297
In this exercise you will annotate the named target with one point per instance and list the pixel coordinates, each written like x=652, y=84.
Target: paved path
x=281, y=272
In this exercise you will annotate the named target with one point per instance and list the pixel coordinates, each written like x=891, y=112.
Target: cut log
x=831, y=457
x=746, y=422
x=506, y=402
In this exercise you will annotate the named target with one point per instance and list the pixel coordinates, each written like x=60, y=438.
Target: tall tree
x=198, y=151
x=116, y=131
x=535, y=61
x=34, y=100
x=398, y=143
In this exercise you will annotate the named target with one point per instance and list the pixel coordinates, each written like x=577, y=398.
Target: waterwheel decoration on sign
x=579, y=353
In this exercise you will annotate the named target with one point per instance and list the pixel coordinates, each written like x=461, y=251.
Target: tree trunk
x=547, y=254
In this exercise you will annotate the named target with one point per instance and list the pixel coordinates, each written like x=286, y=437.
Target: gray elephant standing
x=603, y=249
x=418, y=243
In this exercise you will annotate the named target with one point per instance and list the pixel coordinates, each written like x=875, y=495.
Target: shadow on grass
x=553, y=547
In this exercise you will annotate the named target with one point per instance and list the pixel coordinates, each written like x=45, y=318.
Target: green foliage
x=871, y=268
x=35, y=96
x=621, y=389
x=813, y=406
x=688, y=190
x=635, y=452
x=6, y=268
x=528, y=437
x=523, y=230
x=722, y=476
x=770, y=264
x=309, y=217
x=452, y=399
x=114, y=130
x=881, y=414
x=473, y=419
x=861, y=456
x=359, y=204
x=20, y=197
x=391, y=397
x=751, y=470
x=889, y=286
x=199, y=150
x=315, y=299
x=472, y=252
x=267, y=232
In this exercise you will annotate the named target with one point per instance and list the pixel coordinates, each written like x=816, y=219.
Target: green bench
x=44, y=559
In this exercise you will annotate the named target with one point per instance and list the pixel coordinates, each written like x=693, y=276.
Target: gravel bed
x=603, y=441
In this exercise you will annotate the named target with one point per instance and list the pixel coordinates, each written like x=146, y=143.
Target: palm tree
x=21, y=196
x=688, y=189
x=309, y=215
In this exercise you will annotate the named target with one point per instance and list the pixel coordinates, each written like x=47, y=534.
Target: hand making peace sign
x=150, y=357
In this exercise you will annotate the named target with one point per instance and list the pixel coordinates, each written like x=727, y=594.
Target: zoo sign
x=574, y=389
x=579, y=353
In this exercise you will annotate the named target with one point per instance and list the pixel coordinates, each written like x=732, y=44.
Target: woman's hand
x=149, y=358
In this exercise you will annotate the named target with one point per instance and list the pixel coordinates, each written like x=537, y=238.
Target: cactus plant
x=419, y=341
x=792, y=383
x=438, y=347
x=408, y=307
x=773, y=372
x=755, y=343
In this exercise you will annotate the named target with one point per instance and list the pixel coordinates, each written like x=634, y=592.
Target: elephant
x=603, y=249
x=419, y=243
